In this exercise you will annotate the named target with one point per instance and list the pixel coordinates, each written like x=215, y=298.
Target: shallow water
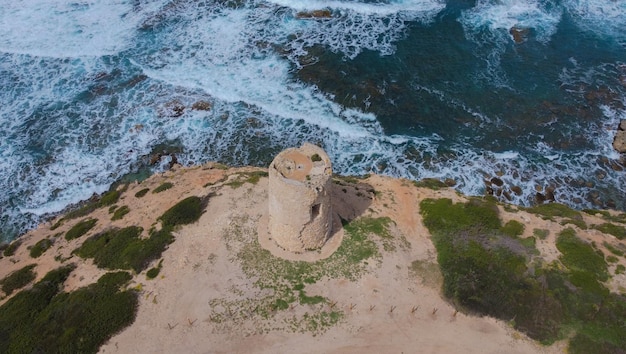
x=411, y=88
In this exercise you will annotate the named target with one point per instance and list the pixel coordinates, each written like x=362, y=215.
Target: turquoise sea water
x=410, y=88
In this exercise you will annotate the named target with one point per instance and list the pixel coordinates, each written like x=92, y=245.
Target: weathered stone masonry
x=300, y=215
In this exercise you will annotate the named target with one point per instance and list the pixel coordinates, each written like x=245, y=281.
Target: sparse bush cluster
x=125, y=249
x=163, y=187
x=486, y=273
x=18, y=279
x=186, y=211
x=11, y=248
x=80, y=229
x=40, y=247
x=142, y=192
x=119, y=213
x=612, y=229
x=45, y=320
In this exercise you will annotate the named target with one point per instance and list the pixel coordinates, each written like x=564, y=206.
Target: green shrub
x=620, y=269
x=316, y=157
x=12, y=247
x=578, y=222
x=248, y=177
x=124, y=249
x=482, y=276
x=80, y=229
x=109, y=198
x=578, y=255
x=40, y=247
x=153, y=272
x=163, y=187
x=430, y=183
x=142, y=192
x=186, y=211
x=43, y=319
x=612, y=249
x=513, y=228
x=612, y=229
x=120, y=212
x=550, y=210
x=18, y=279
x=541, y=234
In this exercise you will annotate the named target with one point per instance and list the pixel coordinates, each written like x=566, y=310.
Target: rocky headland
x=178, y=263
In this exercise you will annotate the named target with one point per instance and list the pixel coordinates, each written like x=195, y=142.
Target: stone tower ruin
x=300, y=215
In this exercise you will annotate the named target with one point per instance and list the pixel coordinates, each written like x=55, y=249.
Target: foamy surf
x=78, y=114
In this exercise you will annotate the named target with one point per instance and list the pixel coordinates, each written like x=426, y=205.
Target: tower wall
x=300, y=213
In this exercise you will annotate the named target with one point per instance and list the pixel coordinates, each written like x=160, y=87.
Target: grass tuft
x=120, y=212
x=186, y=211
x=142, y=193
x=12, y=248
x=80, y=229
x=612, y=229
x=163, y=187
x=40, y=247
x=18, y=279
x=430, y=183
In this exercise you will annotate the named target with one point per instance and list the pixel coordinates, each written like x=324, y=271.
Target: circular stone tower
x=300, y=181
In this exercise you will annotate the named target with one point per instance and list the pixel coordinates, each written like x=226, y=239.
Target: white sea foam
x=66, y=28
x=488, y=24
x=428, y=7
x=70, y=127
x=504, y=15
x=598, y=16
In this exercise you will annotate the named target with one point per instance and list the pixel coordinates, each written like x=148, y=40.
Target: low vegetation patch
x=163, y=187
x=45, y=320
x=616, y=251
x=83, y=209
x=484, y=275
x=430, y=183
x=551, y=210
x=612, y=229
x=18, y=279
x=541, y=234
x=12, y=248
x=246, y=177
x=80, y=229
x=154, y=271
x=142, y=193
x=621, y=218
x=580, y=256
x=186, y=211
x=124, y=249
x=513, y=228
x=120, y=212
x=40, y=247
x=288, y=280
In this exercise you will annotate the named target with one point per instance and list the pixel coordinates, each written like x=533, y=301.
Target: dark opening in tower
x=315, y=211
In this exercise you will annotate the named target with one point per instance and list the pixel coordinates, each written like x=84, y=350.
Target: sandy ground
x=388, y=309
